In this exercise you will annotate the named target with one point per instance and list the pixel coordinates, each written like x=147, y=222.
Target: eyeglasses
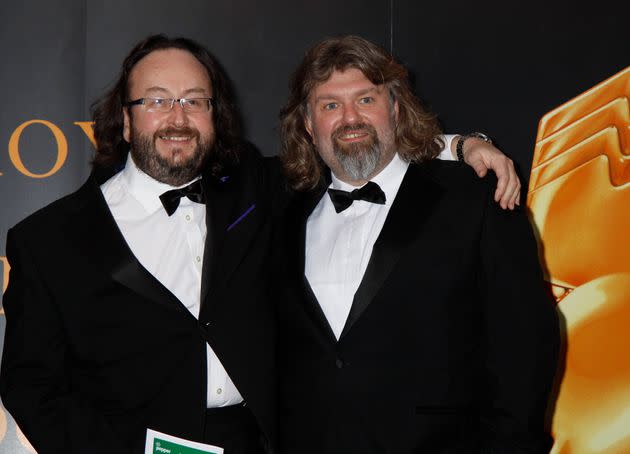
x=164, y=105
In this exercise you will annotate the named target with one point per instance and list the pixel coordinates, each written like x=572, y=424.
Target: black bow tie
x=170, y=199
x=371, y=192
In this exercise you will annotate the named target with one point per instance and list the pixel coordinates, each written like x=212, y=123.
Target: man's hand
x=481, y=156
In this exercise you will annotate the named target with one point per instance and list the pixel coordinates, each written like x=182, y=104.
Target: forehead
x=346, y=82
x=172, y=70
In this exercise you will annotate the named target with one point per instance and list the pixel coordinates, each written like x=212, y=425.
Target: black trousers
x=234, y=429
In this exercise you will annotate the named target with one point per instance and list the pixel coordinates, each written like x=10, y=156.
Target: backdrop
x=497, y=67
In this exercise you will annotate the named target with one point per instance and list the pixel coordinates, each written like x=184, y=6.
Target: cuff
x=446, y=154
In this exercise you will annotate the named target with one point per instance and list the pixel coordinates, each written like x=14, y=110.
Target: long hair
x=416, y=132
x=107, y=111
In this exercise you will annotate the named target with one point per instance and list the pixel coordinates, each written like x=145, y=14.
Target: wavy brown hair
x=416, y=131
x=107, y=111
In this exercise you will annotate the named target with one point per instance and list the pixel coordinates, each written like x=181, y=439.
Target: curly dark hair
x=107, y=111
x=416, y=132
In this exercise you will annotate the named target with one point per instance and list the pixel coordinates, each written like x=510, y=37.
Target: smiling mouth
x=353, y=135
x=176, y=138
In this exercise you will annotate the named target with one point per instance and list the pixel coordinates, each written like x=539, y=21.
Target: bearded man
x=415, y=318
x=141, y=302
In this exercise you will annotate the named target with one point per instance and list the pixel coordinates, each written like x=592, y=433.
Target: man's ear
x=308, y=124
x=126, y=125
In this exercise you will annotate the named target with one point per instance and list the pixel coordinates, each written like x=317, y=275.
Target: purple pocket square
x=241, y=217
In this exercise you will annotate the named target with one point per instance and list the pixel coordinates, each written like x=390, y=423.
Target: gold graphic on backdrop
x=14, y=148
x=88, y=128
x=579, y=197
x=61, y=145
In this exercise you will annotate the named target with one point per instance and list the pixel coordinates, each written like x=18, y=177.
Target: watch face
x=481, y=136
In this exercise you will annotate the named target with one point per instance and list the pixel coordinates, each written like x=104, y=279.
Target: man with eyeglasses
x=131, y=305
x=143, y=300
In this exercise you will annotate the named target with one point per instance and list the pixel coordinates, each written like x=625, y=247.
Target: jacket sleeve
x=522, y=336
x=35, y=381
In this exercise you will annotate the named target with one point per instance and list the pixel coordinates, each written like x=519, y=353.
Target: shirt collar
x=389, y=179
x=144, y=188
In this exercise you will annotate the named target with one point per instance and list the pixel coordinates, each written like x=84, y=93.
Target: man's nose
x=178, y=115
x=350, y=114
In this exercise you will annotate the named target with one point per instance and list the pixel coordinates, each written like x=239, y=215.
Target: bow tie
x=371, y=192
x=170, y=199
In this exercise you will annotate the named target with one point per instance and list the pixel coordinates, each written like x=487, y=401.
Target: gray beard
x=147, y=158
x=358, y=161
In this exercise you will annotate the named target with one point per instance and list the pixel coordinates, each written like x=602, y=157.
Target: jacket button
x=206, y=325
x=339, y=363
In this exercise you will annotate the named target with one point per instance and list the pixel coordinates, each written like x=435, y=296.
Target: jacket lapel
x=311, y=304
x=414, y=203
x=233, y=218
x=100, y=235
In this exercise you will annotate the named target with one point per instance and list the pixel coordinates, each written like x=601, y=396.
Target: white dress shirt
x=171, y=248
x=339, y=245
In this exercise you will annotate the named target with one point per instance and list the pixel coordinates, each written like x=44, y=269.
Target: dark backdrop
x=490, y=66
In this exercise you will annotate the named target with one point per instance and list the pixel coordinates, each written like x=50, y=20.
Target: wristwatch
x=460, y=145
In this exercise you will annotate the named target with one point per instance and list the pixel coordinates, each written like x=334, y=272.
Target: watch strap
x=459, y=149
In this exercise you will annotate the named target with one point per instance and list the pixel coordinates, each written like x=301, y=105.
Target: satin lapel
x=414, y=203
x=97, y=229
x=233, y=218
x=311, y=305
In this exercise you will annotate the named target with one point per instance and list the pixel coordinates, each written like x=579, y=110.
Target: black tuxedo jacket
x=451, y=342
x=97, y=350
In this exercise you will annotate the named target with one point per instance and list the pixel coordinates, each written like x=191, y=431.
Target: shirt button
x=219, y=390
x=198, y=259
x=188, y=217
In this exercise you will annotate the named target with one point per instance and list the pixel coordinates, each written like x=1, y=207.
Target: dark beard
x=147, y=158
x=359, y=160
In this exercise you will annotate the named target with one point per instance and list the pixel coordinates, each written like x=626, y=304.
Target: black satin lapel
x=311, y=305
x=413, y=205
x=98, y=230
x=216, y=215
x=233, y=218
x=316, y=313
x=134, y=276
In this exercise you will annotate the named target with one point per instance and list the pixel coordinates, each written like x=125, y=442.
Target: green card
x=160, y=443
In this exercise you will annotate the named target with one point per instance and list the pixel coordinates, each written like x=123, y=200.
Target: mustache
x=172, y=131
x=358, y=127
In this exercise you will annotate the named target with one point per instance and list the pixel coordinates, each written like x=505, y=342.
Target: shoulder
x=463, y=192
x=469, y=197
x=52, y=217
x=456, y=178
x=264, y=173
x=457, y=183
x=254, y=177
x=255, y=167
